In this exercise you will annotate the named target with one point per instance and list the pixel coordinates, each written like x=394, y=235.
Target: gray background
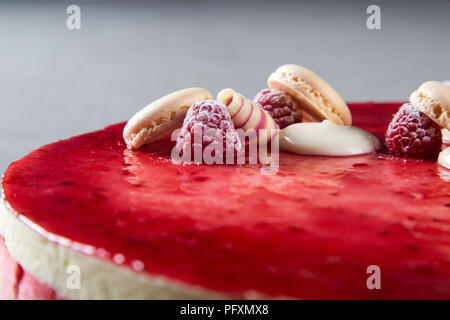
x=55, y=83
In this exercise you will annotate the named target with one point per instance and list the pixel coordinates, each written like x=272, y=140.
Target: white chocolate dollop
x=444, y=158
x=327, y=139
x=445, y=136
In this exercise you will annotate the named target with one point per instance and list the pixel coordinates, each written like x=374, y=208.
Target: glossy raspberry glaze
x=308, y=232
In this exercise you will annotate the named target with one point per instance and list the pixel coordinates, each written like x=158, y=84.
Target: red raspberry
x=209, y=118
x=413, y=134
x=283, y=109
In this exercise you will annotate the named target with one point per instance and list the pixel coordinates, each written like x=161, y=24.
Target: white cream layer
x=327, y=139
x=444, y=158
x=446, y=136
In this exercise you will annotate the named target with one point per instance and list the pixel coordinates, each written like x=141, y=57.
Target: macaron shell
x=315, y=96
x=157, y=120
x=433, y=99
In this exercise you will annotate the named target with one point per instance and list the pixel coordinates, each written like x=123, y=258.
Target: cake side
x=49, y=263
x=18, y=284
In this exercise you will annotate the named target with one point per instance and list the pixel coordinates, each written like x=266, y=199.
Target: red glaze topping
x=310, y=231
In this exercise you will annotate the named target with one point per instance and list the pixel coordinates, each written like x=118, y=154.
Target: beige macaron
x=433, y=99
x=315, y=97
x=157, y=120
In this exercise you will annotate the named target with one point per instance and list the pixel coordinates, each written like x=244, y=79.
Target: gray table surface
x=55, y=83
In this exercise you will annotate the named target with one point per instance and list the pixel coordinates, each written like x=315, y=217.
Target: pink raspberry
x=413, y=134
x=212, y=122
x=283, y=109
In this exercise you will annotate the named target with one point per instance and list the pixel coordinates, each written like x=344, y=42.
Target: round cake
x=88, y=218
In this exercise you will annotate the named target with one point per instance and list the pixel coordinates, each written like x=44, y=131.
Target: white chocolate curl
x=248, y=115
